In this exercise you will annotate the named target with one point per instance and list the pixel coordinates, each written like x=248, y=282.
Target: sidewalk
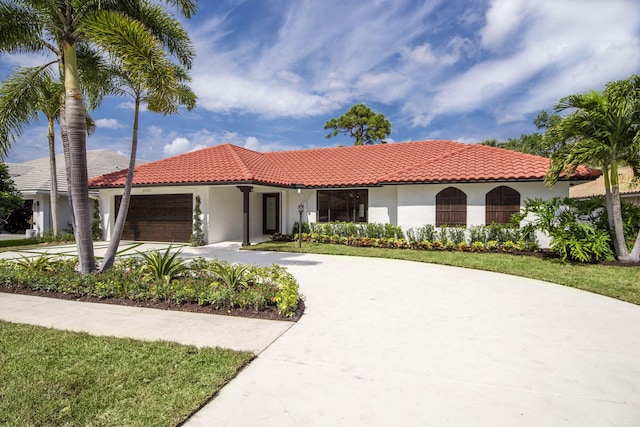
x=202, y=330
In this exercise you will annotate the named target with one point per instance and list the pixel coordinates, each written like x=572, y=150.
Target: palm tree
x=143, y=72
x=41, y=26
x=603, y=132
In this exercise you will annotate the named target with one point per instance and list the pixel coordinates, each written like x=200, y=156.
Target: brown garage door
x=159, y=218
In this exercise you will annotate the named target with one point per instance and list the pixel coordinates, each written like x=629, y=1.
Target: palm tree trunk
x=53, y=194
x=616, y=212
x=609, y=205
x=76, y=128
x=634, y=256
x=118, y=226
x=67, y=162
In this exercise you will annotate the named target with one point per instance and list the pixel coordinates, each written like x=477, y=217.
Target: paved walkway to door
x=387, y=342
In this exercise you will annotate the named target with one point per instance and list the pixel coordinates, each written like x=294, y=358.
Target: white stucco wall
x=383, y=204
x=416, y=203
x=42, y=221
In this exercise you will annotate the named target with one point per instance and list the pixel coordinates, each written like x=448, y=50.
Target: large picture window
x=343, y=205
x=451, y=207
x=501, y=203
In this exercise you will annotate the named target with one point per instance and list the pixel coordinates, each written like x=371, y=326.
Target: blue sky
x=270, y=73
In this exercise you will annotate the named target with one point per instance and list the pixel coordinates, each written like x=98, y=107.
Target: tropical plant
x=602, y=131
x=233, y=276
x=362, y=123
x=42, y=27
x=162, y=266
x=45, y=262
x=572, y=235
x=139, y=50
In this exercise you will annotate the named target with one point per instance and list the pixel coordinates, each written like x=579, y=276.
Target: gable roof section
x=34, y=175
x=409, y=162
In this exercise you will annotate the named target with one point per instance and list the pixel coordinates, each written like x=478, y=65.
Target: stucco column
x=245, y=213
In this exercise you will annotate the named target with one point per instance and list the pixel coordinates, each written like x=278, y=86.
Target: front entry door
x=271, y=213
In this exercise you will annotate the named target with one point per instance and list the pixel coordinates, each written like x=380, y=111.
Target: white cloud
x=302, y=72
x=109, y=124
x=177, y=146
x=503, y=19
x=563, y=47
x=130, y=105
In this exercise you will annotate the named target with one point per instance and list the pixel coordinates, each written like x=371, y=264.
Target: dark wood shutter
x=501, y=203
x=159, y=218
x=451, y=207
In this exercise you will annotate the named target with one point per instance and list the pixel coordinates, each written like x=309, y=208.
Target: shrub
x=197, y=234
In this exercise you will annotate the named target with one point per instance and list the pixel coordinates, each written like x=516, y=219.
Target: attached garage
x=158, y=218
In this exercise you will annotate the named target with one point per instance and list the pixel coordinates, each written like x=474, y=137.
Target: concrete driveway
x=387, y=342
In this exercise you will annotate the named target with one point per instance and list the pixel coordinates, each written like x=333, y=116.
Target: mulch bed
x=270, y=313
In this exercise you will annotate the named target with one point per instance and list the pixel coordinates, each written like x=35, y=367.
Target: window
x=501, y=203
x=343, y=205
x=451, y=207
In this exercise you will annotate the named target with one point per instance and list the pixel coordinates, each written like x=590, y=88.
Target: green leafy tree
x=44, y=26
x=362, y=123
x=533, y=143
x=10, y=198
x=601, y=131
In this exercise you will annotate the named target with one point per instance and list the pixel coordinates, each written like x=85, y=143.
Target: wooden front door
x=270, y=213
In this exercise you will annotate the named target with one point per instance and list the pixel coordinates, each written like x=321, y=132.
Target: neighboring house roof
x=367, y=165
x=35, y=176
x=628, y=185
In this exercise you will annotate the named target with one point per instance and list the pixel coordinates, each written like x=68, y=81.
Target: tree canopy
x=10, y=198
x=532, y=143
x=362, y=123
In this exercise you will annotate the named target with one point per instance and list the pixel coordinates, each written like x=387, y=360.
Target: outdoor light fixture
x=300, y=211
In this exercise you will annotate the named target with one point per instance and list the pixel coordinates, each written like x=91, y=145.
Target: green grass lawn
x=51, y=377
x=622, y=283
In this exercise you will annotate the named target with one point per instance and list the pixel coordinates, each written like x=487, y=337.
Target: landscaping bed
x=163, y=281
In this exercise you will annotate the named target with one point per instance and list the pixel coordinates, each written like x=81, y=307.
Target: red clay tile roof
x=425, y=161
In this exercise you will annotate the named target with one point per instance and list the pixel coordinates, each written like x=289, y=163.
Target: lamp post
x=300, y=211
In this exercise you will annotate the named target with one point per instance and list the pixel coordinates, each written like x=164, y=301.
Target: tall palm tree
x=24, y=94
x=603, y=132
x=41, y=26
x=143, y=71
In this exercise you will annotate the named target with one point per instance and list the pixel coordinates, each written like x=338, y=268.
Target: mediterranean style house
x=245, y=193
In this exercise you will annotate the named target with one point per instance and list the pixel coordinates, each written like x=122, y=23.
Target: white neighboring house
x=33, y=180
x=245, y=193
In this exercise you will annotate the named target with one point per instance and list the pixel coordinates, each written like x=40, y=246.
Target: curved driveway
x=396, y=343
x=390, y=343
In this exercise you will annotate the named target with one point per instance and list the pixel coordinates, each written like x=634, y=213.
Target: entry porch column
x=246, y=189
